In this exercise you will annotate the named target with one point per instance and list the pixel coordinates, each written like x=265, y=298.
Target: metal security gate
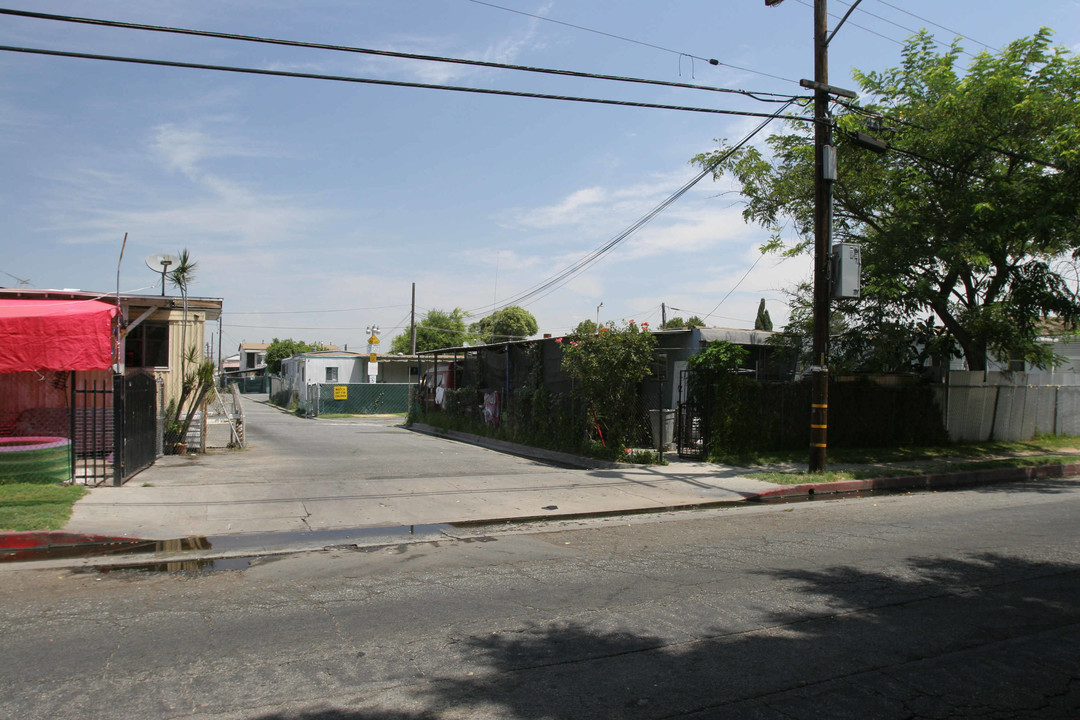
x=136, y=403
x=113, y=428
x=691, y=421
x=93, y=438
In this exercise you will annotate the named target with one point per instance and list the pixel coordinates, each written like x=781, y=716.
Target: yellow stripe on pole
x=818, y=445
x=815, y=405
x=819, y=427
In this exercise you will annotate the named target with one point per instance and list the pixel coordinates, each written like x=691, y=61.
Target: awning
x=55, y=335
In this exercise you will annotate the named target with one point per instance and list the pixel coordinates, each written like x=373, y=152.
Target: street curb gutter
x=940, y=481
x=525, y=451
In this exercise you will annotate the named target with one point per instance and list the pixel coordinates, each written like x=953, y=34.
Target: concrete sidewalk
x=204, y=506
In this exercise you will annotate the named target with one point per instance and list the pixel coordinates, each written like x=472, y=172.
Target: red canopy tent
x=55, y=335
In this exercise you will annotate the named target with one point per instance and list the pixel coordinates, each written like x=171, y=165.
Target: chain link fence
x=357, y=399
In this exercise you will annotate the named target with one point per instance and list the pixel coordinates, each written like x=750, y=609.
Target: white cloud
x=186, y=148
x=574, y=209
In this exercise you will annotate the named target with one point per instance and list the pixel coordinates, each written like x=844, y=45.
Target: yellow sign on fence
x=341, y=392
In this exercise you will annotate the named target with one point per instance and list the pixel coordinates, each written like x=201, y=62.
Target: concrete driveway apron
x=301, y=474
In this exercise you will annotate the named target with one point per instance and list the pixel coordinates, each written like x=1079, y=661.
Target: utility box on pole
x=846, y=270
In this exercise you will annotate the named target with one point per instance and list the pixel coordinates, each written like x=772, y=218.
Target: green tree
x=763, y=321
x=438, y=329
x=281, y=349
x=965, y=222
x=607, y=368
x=676, y=323
x=510, y=323
x=586, y=327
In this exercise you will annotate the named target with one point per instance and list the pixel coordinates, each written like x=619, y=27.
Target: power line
x=382, y=53
x=711, y=61
x=736, y=286
x=544, y=288
x=390, y=83
x=912, y=31
x=861, y=27
x=313, y=312
x=694, y=314
x=931, y=22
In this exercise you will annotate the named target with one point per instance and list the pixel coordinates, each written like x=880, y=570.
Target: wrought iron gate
x=113, y=428
x=137, y=411
x=93, y=439
x=692, y=429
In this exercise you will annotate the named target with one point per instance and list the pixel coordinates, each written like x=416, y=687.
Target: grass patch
x=26, y=506
x=860, y=456
x=798, y=477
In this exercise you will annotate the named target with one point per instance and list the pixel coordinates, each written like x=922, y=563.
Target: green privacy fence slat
x=363, y=398
x=250, y=385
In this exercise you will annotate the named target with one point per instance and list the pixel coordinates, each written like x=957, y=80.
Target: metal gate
x=136, y=403
x=113, y=428
x=691, y=430
x=93, y=437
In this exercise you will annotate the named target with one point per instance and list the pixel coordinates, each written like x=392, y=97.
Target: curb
x=16, y=546
x=940, y=481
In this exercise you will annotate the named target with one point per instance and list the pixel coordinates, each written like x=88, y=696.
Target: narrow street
x=957, y=604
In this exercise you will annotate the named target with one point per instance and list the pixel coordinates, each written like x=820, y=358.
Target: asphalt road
x=960, y=604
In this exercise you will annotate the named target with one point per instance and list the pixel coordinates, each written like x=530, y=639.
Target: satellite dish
x=161, y=262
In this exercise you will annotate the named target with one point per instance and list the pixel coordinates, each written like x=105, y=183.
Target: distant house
x=336, y=367
x=252, y=359
x=230, y=364
x=764, y=361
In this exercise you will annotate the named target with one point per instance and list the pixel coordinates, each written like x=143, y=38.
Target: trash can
x=663, y=428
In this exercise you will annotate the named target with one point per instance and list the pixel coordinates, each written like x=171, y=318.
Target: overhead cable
x=711, y=61
x=776, y=97
x=735, y=286
x=931, y=22
x=541, y=290
x=390, y=83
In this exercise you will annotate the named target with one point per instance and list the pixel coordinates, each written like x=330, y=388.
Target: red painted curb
x=42, y=539
x=922, y=482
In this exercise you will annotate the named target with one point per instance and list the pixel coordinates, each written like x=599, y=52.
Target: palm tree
x=180, y=277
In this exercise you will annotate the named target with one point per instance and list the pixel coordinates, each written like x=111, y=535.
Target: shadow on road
x=987, y=635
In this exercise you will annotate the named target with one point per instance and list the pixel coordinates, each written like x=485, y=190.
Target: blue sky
x=311, y=206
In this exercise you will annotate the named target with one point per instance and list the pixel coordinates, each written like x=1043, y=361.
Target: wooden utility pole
x=824, y=176
x=412, y=323
x=819, y=402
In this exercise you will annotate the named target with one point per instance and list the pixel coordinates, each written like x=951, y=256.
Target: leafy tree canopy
x=586, y=327
x=282, y=349
x=438, y=329
x=968, y=224
x=510, y=323
x=607, y=367
x=677, y=322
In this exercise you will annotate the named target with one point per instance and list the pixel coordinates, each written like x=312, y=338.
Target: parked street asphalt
x=304, y=483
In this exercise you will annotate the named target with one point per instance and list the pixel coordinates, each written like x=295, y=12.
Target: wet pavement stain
x=175, y=567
